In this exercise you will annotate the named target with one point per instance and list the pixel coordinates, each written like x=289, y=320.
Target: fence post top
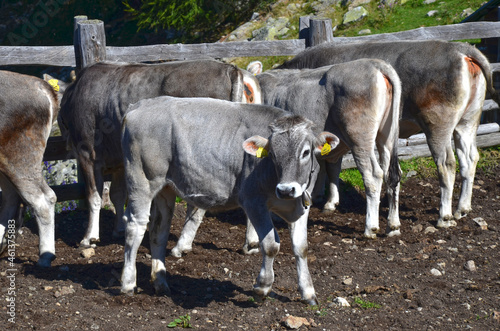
x=93, y=21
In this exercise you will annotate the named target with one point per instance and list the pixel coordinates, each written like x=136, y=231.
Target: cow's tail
x=484, y=64
x=393, y=120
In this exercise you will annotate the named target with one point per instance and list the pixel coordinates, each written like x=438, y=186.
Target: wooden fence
x=90, y=47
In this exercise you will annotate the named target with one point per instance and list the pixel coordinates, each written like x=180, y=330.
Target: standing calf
x=358, y=101
x=28, y=107
x=192, y=147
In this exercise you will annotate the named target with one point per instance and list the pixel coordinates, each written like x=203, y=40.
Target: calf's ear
x=255, y=67
x=256, y=146
x=325, y=143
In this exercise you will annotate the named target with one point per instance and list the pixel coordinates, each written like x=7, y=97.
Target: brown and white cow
x=28, y=107
x=94, y=105
x=444, y=85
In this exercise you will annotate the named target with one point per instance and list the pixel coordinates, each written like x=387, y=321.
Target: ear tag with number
x=261, y=152
x=326, y=149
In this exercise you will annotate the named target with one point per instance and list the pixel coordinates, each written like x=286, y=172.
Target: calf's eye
x=306, y=153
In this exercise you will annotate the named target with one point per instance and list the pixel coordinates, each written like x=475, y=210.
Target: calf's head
x=293, y=148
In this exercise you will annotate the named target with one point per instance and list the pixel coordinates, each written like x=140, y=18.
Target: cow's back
x=200, y=149
x=93, y=107
x=421, y=65
x=28, y=106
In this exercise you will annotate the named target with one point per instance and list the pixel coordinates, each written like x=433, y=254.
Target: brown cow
x=28, y=107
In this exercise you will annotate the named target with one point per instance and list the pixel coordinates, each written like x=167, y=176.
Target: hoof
x=87, y=243
x=250, y=249
x=127, y=291
x=460, y=214
x=371, y=234
x=310, y=302
x=393, y=232
x=177, y=252
x=446, y=223
x=45, y=260
x=329, y=207
x=162, y=289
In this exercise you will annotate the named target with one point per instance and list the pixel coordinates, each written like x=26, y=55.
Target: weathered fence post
x=304, y=23
x=91, y=42
x=90, y=47
x=78, y=53
x=320, y=31
x=315, y=30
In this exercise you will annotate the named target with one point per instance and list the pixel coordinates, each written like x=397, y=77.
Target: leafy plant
x=182, y=322
x=365, y=304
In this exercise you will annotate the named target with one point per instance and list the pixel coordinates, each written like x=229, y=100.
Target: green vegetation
x=181, y=322
x=365, y=304
x=193, y=20
x=424, y=168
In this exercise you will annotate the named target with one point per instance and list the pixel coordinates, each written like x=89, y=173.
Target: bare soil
x=387, y=281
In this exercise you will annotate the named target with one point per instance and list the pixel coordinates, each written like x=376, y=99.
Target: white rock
x=482, y=224
x=430, y=229
x=347, y=281
x=432, y=13
x=470, y=266
x=88, y=253
x=340, y=302
x=436, y=272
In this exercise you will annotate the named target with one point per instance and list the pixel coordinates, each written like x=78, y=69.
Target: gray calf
x=444, y=85
x=28, y=107
x=192, y=147
x=358, y=101
x=93, y=107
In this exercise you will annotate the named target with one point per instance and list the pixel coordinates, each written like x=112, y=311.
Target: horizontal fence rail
x=64, y=56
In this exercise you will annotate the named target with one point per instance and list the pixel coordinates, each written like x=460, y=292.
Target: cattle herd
x=221, y=138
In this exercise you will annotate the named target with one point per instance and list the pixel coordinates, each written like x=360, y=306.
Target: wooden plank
x=490, y=105
x=56, y=150
x=473, y=30
x=58, y=56
x=197, y=51
x=422, y=150
x=69, y=192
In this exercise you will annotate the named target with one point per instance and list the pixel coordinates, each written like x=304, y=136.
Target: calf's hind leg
x=40, y=197
x=159, y=231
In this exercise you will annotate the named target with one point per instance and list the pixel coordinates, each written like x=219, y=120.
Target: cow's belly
x=209, y=192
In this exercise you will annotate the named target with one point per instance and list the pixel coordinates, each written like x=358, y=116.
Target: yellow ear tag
x=53, y=83
x=261, y=152
x=326, y=149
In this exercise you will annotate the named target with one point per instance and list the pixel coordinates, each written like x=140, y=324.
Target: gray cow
x=192, y=147
x=359, y=102
x=93, y=107
x=444, y=85
x=28, y=107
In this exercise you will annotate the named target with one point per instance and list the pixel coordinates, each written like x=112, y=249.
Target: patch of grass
x=489, y=158
x=181, y=322
x=386, y=18
x=320, y=311
x=365, y=304
x=352, y=179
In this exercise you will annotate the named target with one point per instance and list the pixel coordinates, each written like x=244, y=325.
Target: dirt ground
x=388, y=282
